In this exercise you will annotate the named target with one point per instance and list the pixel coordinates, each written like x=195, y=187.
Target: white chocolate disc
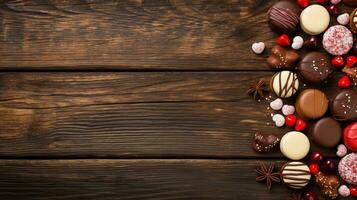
x=314, y=19
x=284, y=84
x=294, y=145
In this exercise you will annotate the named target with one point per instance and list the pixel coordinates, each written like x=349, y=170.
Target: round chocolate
x=314, y=19
x=337, y=40
x=347, y=168
x=326, y=132
x=353, y=21
x=343, y=106
x=311, y=104
x=294, y=145
x=315, y=67
x=295, y=174
x=283, y=17
x=284, y=84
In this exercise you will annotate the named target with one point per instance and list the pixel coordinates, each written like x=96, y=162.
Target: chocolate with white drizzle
x=344, y=105
x=295, y=174
x=284, y=84
x=315, y=67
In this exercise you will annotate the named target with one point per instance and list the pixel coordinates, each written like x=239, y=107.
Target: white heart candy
x=297, y=42
x=276, y=104
x=288, y=110
x=343, y=19
x=341, y=150
x=335, y=1
x=344, y=191
x=258, y=47
x=279, y=120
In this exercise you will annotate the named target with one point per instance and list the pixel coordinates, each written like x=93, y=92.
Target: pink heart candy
x=335, y=1
x=343, y=19
x=258, y=47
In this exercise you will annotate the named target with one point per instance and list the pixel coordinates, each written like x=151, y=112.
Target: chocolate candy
x=350, y=2
x=281, y=58
x=314, y=19
x=350, y=136
x=283, y=17
x=264, y=142
x=326, y=132
x=328, y=184
x=311, y=104
x=344, y=105
x=284, y=84
x=353, y=21
x=295, y=174
x=347, y=168
x=337, y=40
x=294, y=145
x=311, y=43
x=315, y=67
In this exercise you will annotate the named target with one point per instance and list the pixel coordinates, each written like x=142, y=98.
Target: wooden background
x=140, y=99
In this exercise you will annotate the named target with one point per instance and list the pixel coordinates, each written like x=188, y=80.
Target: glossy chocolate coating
x=281, y=58
x=315, y=67
x=344, y=105
x=326, y=132
x=311, y=104
x=283, y=17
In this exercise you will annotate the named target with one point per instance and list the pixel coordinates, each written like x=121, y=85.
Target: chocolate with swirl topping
x=295, y=174
x=283, y=17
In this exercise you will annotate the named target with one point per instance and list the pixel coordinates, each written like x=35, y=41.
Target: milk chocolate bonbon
x=311, y=104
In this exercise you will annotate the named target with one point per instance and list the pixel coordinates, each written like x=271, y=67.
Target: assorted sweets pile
x=311, y=114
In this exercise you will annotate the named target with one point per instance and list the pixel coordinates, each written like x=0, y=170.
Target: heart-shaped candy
x=283, y=40
x=279, y=120
x=276, y=104
x=344, y=82
x=288, y=110
x=297, y=42
x=300, y=125
x=341, y=150
x=338, y=61
x=264, y=142
x=258, y=47
x=351, y=61
x=290, y=120
x=343, y=19
x=335, y=1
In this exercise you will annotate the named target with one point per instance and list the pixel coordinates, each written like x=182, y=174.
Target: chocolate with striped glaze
x=284, y=84
x=283, y=17
x=295, y=174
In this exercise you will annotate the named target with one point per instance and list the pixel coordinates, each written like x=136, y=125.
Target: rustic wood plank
x=143, y=114
x=136, y=34
x=134, y=179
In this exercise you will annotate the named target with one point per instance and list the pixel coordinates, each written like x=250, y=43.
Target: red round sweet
x=314, y=168
x=350, y=136
x=353, y=191
x=347, y=168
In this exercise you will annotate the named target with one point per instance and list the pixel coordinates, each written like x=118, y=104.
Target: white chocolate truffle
x=295, y=175
x=314, y=19
x=284, y=84
x=294, y=145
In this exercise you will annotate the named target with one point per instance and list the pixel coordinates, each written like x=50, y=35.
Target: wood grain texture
x=135, y=34
x=143, y=114
x=134, y=179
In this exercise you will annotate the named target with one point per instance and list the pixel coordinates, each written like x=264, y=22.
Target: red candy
x=321, y=1
x=344, y=82
x=316, y=157
x=303, y=3
x=283, y=40
x=351, y=61
x=290, y=120
x=338, y=61
x=314, y=168
x=350, y=136
x=300, y=125
x=310, y=195
x=353, y=191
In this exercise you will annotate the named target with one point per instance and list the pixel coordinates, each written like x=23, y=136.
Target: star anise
x=351, y=72
x=266, y=172
x=296, y=196
x=258, y=88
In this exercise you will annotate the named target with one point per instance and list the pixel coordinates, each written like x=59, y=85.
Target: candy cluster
x=327, y=121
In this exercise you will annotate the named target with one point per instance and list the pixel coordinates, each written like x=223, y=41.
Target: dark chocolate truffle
x=344, y=105
x=326, y=132
x=283, y=17
x=311, y=104
x=315, y=67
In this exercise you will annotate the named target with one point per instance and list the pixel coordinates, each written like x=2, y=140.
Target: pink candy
x=337, y=40
x=347, y=168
